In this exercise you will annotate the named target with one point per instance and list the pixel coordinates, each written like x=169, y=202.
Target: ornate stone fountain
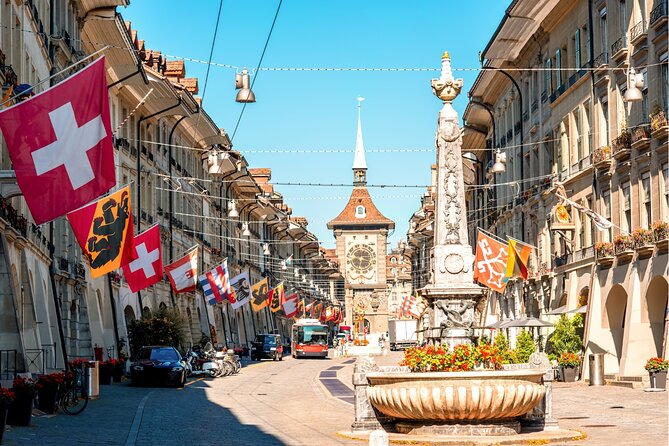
x=453, y=403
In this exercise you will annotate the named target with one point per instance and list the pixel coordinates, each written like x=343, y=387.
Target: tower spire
x=359, y=163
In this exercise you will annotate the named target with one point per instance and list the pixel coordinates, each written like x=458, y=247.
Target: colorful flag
x=516, y=264
x=316, y=311
x=104, y=231
x=289, y=305
x=328, y=313
x=216, y=284
x=308, y=307
x=300, y=307
x=260, y=291
x=490, y=262
x=60, y=144
x=602, y=223
x=183, y=272
x=147, y=268
x=274, y=298
x=289, y=260
x=410, y=307
x=241, y=287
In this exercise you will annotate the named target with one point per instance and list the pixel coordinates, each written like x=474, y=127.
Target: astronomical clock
x=361, y=266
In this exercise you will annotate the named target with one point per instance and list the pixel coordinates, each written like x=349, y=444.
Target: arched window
x=360, y=212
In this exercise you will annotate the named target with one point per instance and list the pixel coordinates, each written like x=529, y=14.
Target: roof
x=359, y=160
x=360, y=196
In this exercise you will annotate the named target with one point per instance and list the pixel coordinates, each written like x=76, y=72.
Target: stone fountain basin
x=456, y=396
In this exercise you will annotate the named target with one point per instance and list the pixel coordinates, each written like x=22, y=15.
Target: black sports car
x=158, y=365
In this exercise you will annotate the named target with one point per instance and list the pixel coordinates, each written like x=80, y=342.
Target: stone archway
x=614, y=317
x=653, y=315
x=129, y=314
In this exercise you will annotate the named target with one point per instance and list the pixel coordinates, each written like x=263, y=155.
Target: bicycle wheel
x=74, y=401
x=237, y=366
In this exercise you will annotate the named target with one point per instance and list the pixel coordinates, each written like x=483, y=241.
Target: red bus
x=310, y=339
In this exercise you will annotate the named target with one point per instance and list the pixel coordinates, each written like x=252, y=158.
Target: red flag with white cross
x=60, y=143
x=147, y=268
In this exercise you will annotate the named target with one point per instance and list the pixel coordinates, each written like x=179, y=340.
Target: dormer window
x=360, y=212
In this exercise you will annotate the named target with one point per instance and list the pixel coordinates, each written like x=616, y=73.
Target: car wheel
x=182, y=382
x=274, y=357
x=280, y=357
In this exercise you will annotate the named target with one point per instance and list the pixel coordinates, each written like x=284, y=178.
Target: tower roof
x=359, y=160
x=370, y=217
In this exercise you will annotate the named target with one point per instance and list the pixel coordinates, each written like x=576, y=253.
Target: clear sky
x=317, y=110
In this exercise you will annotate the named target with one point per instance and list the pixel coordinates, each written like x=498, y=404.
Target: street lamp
x=242, y=83
x=265, y=249
x=232, y=209
x=634, y=84
x=500, y=160
x=246, y=232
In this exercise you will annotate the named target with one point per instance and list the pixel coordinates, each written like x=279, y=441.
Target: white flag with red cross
x=147, y=268
x=60, y=143
x=183, y=272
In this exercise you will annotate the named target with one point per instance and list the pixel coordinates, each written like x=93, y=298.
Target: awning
x=579, y=310
x=558, y=310
x=526, y=322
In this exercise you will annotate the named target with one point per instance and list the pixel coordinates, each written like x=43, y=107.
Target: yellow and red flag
x=260, y=292
x=519, y=255
x=275, y=297
x=490, y=262
x=104, y=231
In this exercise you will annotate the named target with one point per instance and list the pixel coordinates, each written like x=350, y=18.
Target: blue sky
x=302, y=110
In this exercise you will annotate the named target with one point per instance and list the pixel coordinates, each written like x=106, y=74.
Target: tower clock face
x=361, y=259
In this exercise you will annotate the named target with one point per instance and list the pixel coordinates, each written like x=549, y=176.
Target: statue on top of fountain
x=459, y=313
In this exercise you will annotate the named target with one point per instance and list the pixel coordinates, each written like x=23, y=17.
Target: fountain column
x=452, y=295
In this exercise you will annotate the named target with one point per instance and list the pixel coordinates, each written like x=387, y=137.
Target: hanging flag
x=259, y=291
x=328, y=313
x=104, y=232
x=241, y=287
x=308, y=307
x=274, y=298
x=412, y=307
x=147, y=268
x=183, y=272
x=289, y=260
x=216, y=284
x=602, y=223
x=518, y=257
x=60, y=144
x=490, y=262
x=289, y=305
x=316, y=311
x=300, y=308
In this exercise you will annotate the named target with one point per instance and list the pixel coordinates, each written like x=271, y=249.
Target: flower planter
x=645, y=250
x=434, y=401
x=569, y=374
x=625, y=256
x=604, y=164
x=46, y=399
x=658, y=380
x=605, y=261
x=105, y=376
x=20, y=411
x=662, y=245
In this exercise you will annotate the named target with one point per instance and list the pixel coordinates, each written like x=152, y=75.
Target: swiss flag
x=147, y=268
x=289, y=305
x=60, y=142
x=183, y=272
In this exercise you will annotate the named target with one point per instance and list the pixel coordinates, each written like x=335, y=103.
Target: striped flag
x=216, y=284
x=410, y=307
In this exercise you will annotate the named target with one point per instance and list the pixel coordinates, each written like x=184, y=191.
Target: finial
x=445, y=55
x=446, y=87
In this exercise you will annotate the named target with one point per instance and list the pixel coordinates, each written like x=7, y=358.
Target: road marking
x=137, y=421
x=192, y=382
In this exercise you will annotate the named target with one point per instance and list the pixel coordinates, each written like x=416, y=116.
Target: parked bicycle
x=74, y=398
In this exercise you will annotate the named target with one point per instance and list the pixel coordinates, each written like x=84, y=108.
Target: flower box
x=641, y=137
x=643, y=242
x=658, y=125
x=658, y=380
x=661, y=235
x=624, y=247
x=657, y=370
x=622, y=146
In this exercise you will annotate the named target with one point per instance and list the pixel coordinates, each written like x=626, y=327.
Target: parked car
x=267, y=346
x=158, y=365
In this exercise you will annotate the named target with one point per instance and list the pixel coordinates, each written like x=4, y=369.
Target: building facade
x=398, y=273
x=361, y=233
x=185, y=177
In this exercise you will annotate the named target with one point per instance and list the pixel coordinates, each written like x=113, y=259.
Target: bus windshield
x=312, y=335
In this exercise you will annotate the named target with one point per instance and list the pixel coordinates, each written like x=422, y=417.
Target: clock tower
x=361, y=232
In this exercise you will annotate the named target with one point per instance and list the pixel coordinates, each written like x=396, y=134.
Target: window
x=622, y=17
x=603, y=29
x=548, y=84
x=603, y=121
x=577, y=49
x=393, y=260
x=665, y=181
x=626, y=222
x=645, y=199
x=360, y=212
x=606, y=212
x=664, y=82
x=558, y=66
x=644, y=98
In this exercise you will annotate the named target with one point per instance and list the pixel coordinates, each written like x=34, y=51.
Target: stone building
x=552, y=100
x=184, y=176
x=361, y=233
x=398, y=273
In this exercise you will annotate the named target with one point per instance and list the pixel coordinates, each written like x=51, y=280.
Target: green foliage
x=524, y=347
x=502, y=345
x=204, y=339
x=165, y=327
x=565, y=338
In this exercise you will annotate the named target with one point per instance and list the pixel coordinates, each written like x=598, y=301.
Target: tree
x=524, y=346
x=165, y=327
x=565, y=337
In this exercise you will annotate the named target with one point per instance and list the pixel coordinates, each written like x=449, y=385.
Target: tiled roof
x=190, y=83
x=360, y=196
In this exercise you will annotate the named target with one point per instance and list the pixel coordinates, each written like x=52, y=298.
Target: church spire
x=359, y=163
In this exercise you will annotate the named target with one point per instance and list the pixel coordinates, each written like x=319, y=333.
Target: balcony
x=658, y=125
x=658, y=16
x=622, y=146
x=638, y=34
x=641, y=136
x=619, y=48
x=601, y=158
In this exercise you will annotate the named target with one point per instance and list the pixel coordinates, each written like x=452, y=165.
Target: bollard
x=378, y=438
x=596, y=366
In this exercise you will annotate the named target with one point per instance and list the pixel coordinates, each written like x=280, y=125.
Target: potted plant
x=106, y=370
x=661, y=234
x=118, y=367
x=25, y=390
x=657, y=369
x=658, y=123
x=7, y=397
x=624, y=247
x=569, y=362
x=605, y=252
x=643, y=241
x=48, y=388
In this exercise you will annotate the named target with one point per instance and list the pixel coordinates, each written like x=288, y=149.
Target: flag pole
x=521, y=242
x=499, y=239
x=32, y=87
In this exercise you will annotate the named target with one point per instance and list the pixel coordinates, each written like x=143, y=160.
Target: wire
x=211, y=54
x=253, y=82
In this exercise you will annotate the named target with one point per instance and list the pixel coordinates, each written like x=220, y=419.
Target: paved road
x=304, y=402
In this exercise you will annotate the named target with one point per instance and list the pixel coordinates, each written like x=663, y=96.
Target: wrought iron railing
x=535, y=105
x=637, y=30
x=601, y=60
x=658, y=12
x=619, y=45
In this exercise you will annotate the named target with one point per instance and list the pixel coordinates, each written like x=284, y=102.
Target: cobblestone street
x=304, y=402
